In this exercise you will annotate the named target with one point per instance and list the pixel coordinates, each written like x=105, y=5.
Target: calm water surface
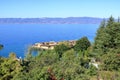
x=17, y=37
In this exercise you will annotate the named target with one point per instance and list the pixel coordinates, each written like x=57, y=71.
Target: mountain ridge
x=48, y=20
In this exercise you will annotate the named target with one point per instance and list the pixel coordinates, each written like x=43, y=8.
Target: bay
x=17, y=37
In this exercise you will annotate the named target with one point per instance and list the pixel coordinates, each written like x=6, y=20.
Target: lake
x=17, y=37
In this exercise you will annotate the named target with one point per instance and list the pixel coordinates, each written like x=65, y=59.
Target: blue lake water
x=17, y=37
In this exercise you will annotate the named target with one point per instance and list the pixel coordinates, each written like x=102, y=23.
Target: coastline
x=51, y=44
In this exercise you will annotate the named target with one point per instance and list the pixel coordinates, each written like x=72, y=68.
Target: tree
x=60, y=49
x=82, y=44
x=107, y=37
x=111, y=62
x=12, y=56
x=10, y=67
x=99, y=39
x=110, y=21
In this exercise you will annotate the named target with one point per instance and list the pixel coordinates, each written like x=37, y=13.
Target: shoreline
x=51, y=44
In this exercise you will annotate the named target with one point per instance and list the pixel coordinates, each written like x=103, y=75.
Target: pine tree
x=110, y=21
x=99, y=39
x=113, y=30
x=108, y=37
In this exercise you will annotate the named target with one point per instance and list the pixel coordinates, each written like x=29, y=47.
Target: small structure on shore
x=50, y=45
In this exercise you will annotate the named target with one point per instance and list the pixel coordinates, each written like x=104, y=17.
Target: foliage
x=111, y=62
x=107, y=37
x=108, y=75
x=60, y=49
x=107, y=44
x=100, y=38
x=9, y=67
x=92, y=70
x=82, y=44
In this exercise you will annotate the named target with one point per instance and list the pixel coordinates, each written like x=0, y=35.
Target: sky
x=59, y=8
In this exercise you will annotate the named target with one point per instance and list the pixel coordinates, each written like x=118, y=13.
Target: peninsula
x=50, y=45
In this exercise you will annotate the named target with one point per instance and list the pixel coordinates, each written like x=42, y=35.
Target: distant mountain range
x=69, y=20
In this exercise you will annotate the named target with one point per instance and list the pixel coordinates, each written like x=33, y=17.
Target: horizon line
x=59, y=17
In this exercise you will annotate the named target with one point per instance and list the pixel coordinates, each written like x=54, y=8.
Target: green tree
x=60, y=49
x=69, y=67
x=99, y=39
x=10, y=67
x=111, y=20
x=82, y=44
x=12, y=56
x=107, y=38
x=111, y=62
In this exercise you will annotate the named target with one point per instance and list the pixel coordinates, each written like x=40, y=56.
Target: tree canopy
x=60, y=49
x=108, y=36
x=82, y=44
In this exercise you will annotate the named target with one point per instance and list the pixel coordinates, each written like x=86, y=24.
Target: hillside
x=69, y=20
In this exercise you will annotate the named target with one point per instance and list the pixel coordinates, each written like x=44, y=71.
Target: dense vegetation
x=78, y=62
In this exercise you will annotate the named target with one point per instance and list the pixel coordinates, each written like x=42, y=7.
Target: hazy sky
x=59, y=8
